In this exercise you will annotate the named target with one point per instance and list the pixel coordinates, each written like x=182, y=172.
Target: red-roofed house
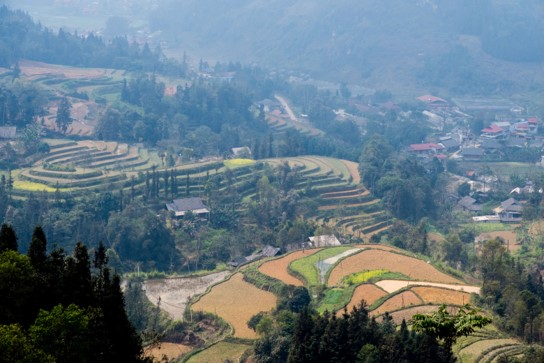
x=532, y=124
x=492, y=132
x=429, y=148
x=433, y=101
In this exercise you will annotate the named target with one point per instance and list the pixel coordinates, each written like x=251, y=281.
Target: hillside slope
x=383, y=43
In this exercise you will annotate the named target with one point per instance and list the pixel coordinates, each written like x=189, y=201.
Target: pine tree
x=37, y=250
x=8, y=238
x=77, y=278
x=63, y=119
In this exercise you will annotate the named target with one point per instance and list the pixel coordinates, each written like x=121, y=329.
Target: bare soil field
x=175, y=292
x=396, y=302
x=435, y=237
x=368, y=292
x=279, y=268
x=437, y=295
x=236, y=301
x=34, y=69
x=394, y=285
x=509, y=238
x=353, y=169
x=170, y=350
x=83, y=123
x=408, y=313
x=378, y=247
x=377, y=259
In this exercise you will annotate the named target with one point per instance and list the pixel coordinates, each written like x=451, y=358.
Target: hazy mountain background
x=453, y=46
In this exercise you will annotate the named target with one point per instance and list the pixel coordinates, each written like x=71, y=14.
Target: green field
x=306, y=267
x=219, y=353
x=505, y=169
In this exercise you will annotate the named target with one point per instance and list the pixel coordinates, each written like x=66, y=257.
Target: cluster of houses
x=510, y=130
x=509, y=211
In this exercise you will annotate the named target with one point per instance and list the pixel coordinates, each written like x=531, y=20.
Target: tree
x=16, y=283
x=63, y=119
x=37, y=249
x=446, y=327
x=63, y=333
x=16, y=346
x=8, y=238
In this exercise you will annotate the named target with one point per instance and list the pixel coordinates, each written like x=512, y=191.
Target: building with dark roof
x=469, y=204
x=8, y=132
x=194, y=205
x=472, y=153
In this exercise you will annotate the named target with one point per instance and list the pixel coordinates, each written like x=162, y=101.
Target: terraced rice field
x=307, y=266
x=474, y=351
x=377, y=259
x=436, y=295
x=395, y=285
x=397, y=302
x=368, y=292
x=278, y=268
x=170, y=350
x=175, y=293
x=344, y=205
x=220, y=353
x=236, y=301
x=407, y=314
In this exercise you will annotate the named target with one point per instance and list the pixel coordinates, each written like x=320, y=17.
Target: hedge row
x=65, y=175
x=77, y=184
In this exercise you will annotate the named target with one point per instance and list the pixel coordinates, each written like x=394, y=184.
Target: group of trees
x=407, y=188
x=131, y=230
x=20, y=104
x=22, y=38
x=512, y=290
x=58, y=308
x=302, y=335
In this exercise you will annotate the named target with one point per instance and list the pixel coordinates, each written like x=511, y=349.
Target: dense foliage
x=61, y=308
x=21, y=38
x=351, y=337
x=512, y=291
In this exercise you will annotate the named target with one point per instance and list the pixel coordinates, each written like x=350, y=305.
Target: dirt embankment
x=174, y=293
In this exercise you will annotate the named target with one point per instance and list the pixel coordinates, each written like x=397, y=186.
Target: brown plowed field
x=436, y=295
x=279, y=268
x=170, y=350
x=399, y=301
x=368, y=292
x=378, y=247
x=353, y=169
x=408, y=313
x=376, y=260
x=236, y=301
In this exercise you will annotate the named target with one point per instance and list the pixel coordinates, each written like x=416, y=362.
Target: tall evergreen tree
x=63, y=119
x=37, y=250
x=77, y=278
x=8, y=238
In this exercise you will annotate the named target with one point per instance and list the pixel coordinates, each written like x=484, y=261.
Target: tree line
x=59, y=308
x=22, y=38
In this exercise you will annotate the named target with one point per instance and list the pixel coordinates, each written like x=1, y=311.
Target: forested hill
x=382, y=41
x=23, y=38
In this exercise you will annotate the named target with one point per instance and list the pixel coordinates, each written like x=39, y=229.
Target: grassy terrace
x=77, y=167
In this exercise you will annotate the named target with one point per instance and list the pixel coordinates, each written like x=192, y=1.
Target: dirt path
x=175, y=292
x=394, y=285
x=287, y=108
